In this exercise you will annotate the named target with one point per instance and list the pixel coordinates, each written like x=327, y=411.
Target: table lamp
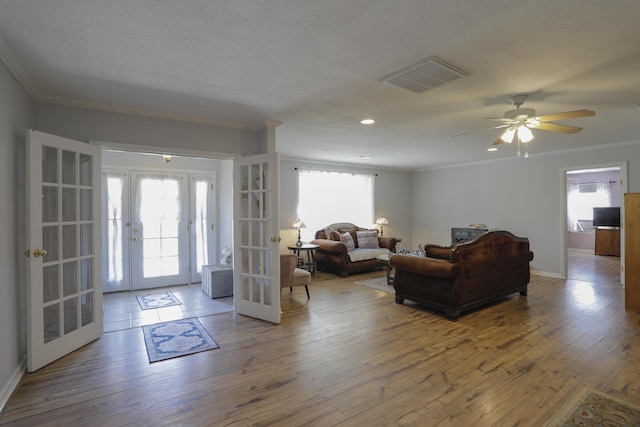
x=382, y=221
x=299, y=224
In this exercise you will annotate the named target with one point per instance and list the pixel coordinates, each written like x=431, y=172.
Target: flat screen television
x=606, y=217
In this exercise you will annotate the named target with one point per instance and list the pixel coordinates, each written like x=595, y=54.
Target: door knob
x=39, y=252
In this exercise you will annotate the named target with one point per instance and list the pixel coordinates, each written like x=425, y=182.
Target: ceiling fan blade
x=566, y=115
x=480, y=130
x=558, y=128
x=501, y=141
x=498, y=141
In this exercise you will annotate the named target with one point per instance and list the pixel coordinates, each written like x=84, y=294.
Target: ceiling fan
x=519, y=122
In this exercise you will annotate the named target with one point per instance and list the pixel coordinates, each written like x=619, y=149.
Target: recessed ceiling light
x=367, y=121
x=365, y=157
x=492, y=149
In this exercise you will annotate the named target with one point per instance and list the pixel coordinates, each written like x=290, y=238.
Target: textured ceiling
x=316, y=65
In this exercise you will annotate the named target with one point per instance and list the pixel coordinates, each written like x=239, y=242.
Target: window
x=326, y=197
x=581, y=199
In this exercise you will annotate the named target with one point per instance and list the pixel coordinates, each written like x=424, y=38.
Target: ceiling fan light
x=525, y=134
x=507, y=136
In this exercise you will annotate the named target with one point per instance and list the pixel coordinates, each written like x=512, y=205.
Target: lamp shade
x=508, y=135
x=525, y=134
x=382, y=221
x=299, y=224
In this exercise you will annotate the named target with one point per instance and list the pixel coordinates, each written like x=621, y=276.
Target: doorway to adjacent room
x=586, y=189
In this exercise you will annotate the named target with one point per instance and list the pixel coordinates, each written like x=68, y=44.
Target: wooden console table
x=607, y=241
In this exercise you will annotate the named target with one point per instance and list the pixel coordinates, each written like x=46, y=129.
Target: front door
x=256, y=262
x=159, y=230
x=63, y=241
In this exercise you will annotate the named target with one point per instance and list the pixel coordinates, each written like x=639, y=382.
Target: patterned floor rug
x=157, y=300
x=379, y=283
x=176, y=338
x=591, y=408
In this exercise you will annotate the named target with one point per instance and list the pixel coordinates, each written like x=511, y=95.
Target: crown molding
x=9, y=59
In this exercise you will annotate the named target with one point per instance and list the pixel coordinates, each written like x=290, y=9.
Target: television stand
x=607, y=241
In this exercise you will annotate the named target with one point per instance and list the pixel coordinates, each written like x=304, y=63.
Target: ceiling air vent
x=425, y=75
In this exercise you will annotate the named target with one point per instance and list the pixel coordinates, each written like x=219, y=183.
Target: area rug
x=157, y=300
x=176, y=338
x=379, y=283
x=591, y=408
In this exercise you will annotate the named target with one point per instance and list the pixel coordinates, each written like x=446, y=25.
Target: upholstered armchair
x=291, y=276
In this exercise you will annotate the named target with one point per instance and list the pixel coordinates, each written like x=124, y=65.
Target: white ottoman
x=217, y=280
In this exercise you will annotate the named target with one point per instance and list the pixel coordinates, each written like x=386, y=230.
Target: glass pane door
x=65, y=291
x=159, y=231
x=256, y=263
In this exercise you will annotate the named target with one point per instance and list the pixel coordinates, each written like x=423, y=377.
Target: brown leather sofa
x=332, y=254
x=464, y=276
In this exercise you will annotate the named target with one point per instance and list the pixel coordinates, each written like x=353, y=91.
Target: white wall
x=17, y=113
x=392, y=198
x=524, y=196
x=84, y=124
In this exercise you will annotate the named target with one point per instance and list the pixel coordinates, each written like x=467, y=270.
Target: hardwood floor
x=351, y=356
x=593, y=268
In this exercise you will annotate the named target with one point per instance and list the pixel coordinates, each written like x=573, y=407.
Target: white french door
x=256, y=261
x=159, y=230
x=63, y=247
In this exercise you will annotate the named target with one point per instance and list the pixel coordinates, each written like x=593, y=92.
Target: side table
x=384, y=259
x=310, y=249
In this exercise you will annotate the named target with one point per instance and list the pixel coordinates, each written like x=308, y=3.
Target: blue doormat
x=157, y=300
x=176, y=338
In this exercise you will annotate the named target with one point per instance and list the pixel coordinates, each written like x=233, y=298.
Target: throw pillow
x=348, y=241
x=368, y=239
x=351, y=231
x=327, y=234
x=226, y=257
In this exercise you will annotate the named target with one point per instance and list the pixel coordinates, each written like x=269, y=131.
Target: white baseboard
x=547, y=274
x=8, y=389
x=584, y=251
